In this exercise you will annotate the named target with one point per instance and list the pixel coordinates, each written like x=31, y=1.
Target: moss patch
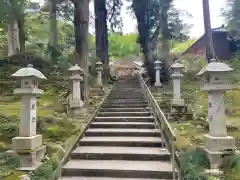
x=14, y=176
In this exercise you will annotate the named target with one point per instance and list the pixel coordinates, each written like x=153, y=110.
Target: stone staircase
x=121, y=142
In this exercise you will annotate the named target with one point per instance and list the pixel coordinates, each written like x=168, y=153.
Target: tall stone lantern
x=76, y=103
x=28, y=145
x=217, y=141
x=158, y=73
x=176, y=77
x=99, y=70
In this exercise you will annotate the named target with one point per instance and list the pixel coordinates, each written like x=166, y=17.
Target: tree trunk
x=53, y=24
x=22, y=36
x=165, y=49
x=210, y=52
x=81, y=19
x=167, y=60
x=102, y=36
x=150, y=66
x=13, y=38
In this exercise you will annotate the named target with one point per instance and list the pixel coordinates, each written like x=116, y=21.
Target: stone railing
x=167, y=133
x=58, y=171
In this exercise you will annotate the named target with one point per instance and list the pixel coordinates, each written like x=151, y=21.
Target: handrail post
x=173, y=162
x=162, y=137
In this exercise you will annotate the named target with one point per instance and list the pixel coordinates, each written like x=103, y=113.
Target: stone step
x=131, y=84
x=121, y=132
x=130, y=92
x=125, y=109
x=140, y=97
x=104, y=114
x=121, y=141
x=127, y=95
x=126, y=87
x=124, y=119
x=118, y=168
x=121, y=91
x=103, y=178
x=120, y=153
x=125, y=105
x=125, y=100
x=136, y=125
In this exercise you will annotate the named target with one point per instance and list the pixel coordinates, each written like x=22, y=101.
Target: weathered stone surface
x=28, y=146
x=176, y=76
x=76, y=103
x=121, y=142
x=217, y=141
x=26, y=143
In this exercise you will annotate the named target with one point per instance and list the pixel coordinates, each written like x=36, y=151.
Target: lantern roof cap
x=177, y=64
x=99, y=63
x=215, y=66
x=157, y=62
x=29, y=71
x=76, y=67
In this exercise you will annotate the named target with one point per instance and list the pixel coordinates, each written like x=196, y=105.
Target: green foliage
x=37, y=26
x=8, y=164
x=231, y=166
x=11, y=9
x=123, y=45
x=192, y=163
x=235, y=64
x=193, y=64
x=8, y=129
x=60, y=130
x=45, y=171
x=232, y=14
x=180, y=47
x=114, y=8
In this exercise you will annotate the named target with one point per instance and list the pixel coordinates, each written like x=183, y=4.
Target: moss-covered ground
x=191, y=133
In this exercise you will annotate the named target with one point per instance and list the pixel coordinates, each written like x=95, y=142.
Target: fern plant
x=231, y=166
x=193, y=163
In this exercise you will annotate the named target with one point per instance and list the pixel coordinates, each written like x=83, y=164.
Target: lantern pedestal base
x=77, y=104
x=29, y=159
x=29, y=143
x=219, y=143
x=213, y=172
x=78, y=112
x=179, y=102
x=97, y=91
x=216, y=147
x=158, y=85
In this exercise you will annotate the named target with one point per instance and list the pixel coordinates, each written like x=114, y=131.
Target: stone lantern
x=99, y=70
x=76, y=103
x=28, y=145
x=176, y=77
x=217, y=141
x=158, y=73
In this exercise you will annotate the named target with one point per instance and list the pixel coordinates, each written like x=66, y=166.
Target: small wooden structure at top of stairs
x=121, y=142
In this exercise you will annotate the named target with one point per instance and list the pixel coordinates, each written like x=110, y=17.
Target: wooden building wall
x=223, y=47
